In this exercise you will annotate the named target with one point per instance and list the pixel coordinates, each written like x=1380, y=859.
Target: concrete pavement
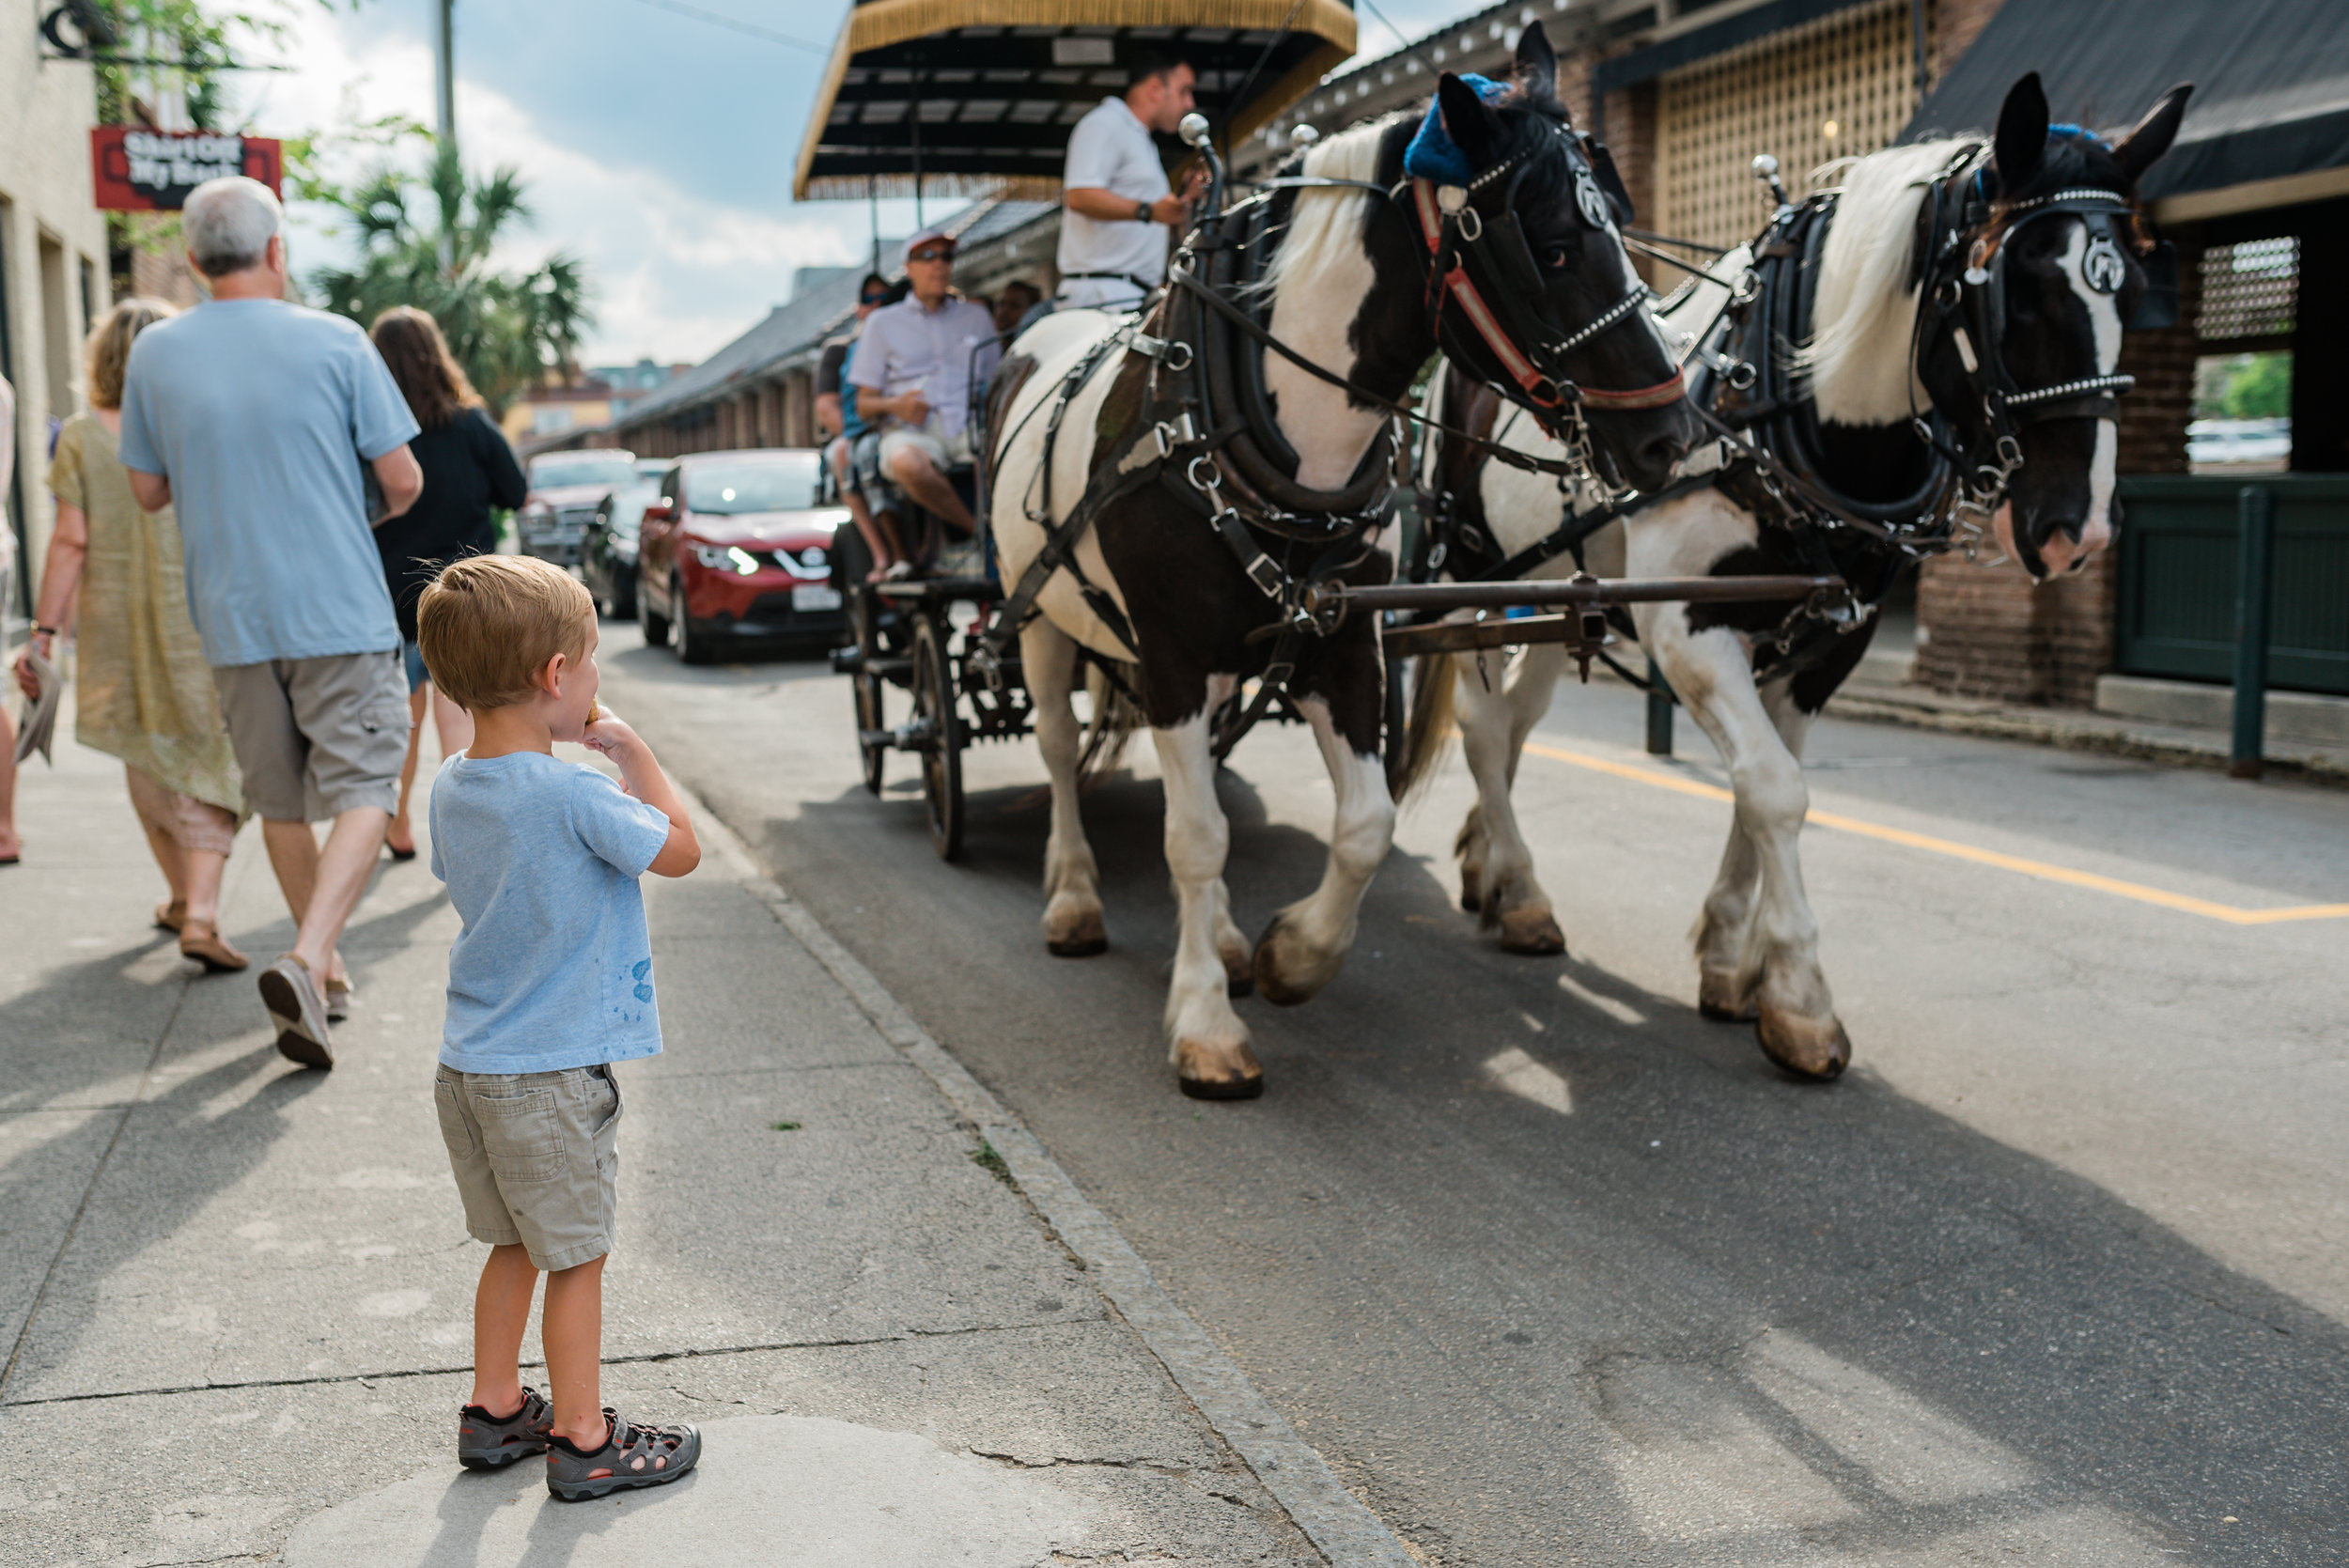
x=236, y=1294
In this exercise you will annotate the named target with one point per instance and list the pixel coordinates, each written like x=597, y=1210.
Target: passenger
x=836, y=420
x=915, y=366
x=1012, y=304
x=1113, y=235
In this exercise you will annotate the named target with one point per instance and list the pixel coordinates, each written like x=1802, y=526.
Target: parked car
x=2211, y=441
x=607, y=554
x=564, y=489
x=736, y=548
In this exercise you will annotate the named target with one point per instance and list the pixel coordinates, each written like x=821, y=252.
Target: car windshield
x=773, y=485
x=582, y=467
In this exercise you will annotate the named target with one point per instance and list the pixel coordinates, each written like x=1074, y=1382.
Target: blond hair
x=107, y=352
x=487, y=625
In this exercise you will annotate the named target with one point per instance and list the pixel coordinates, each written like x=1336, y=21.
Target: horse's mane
x=1324, y=224
x=1865, y=311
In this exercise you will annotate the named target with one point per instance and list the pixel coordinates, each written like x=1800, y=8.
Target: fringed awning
x=956, y=95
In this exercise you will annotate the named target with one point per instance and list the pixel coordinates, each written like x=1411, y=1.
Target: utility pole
x=445, y=116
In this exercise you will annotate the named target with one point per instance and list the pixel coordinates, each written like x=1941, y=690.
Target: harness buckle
x=1470, y=223
x=1264, y=573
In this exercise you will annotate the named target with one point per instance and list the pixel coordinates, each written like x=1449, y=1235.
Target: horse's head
x=2059, y=271
x=1545, y=265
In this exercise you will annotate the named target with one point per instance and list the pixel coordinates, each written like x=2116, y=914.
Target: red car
x=738, y=549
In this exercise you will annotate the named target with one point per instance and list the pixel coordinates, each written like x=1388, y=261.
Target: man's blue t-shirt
x=553, y=968
x=261, y=415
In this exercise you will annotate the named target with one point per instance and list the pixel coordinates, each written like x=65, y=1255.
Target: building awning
x=2271, y=86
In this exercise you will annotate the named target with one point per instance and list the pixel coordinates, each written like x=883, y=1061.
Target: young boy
x=550, y=982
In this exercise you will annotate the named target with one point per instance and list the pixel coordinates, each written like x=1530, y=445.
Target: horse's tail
x=1429, y=730
x=1114, y=721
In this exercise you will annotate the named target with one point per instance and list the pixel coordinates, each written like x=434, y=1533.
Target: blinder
x=1603, y=169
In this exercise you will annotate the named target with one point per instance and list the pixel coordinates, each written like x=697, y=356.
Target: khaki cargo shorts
x=536, y=1158
x=944, y=451
x=315, y=738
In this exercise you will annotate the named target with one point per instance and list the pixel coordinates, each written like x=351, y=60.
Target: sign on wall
x=154, y=171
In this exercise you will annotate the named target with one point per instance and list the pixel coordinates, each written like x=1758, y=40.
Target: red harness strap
x=1457, y=284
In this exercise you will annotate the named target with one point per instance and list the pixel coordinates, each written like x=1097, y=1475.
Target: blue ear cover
x=1433, y=154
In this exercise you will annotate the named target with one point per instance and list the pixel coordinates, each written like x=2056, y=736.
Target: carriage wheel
x=868, y=716
x=934, y=705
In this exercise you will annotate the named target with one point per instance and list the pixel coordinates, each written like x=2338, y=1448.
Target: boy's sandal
x=201, y=940
x=630, y=1456
x=171, y=916
x=486, y=1442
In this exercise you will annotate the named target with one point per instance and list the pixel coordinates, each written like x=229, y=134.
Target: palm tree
x=507, y=328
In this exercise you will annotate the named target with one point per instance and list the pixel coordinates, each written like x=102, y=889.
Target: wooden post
x=2255, y=552
x=1659, y=713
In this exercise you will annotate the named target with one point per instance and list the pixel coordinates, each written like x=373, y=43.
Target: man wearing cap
x=913, y=370
x=1112, y=237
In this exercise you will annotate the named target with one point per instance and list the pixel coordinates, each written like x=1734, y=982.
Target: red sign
x=154, y=171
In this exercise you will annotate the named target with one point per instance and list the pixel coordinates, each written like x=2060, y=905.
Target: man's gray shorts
x=536, y=1158
x=315, y=738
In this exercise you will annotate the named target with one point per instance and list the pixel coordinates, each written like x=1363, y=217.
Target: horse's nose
x=1654, y=458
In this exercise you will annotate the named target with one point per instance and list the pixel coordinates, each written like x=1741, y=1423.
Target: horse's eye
x=1557, y=257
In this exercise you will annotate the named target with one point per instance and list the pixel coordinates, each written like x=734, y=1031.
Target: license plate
x=816, y=597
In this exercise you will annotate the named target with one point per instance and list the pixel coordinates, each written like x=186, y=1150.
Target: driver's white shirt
x=1111, y=149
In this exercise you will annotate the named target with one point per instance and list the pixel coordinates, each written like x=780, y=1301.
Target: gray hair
x=228, y=223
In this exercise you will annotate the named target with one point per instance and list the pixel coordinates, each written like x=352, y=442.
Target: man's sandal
x=488, y=1442
x=201, y=940
x=630, y=1456
x=171, y=916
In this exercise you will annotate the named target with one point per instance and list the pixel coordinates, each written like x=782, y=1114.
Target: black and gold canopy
x=960, y=95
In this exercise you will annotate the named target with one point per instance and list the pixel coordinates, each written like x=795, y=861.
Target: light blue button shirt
x=904, y=345
x=553, y=967
x=262, y=414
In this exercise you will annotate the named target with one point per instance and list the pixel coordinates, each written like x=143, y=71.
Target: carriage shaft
x=1576, y=591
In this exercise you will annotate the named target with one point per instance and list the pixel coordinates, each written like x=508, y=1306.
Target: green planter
x=2176, y=617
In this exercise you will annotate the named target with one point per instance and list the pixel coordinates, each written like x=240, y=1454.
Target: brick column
x=799, y=410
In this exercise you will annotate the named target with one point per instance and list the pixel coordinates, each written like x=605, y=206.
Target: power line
x=749, y=28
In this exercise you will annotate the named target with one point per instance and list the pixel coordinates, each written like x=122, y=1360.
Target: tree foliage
x=430, y=242
x=2262, y=389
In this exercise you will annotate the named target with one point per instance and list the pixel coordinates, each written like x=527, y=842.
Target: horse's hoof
x=1471, y=896
x=1532, y=932
x=1814, y=1048
x=1080, y=937
x=1720, y=999
x=1239, y=971
x=1280, y=982
x=1218, y=1072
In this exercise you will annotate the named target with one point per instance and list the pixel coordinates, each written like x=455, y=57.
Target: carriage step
x=915, y=735
x=851, y=662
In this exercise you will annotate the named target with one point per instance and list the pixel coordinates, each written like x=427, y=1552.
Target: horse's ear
x=2150, y=138
x=1470, y=122
x=1537, y=70
x=2022, y=139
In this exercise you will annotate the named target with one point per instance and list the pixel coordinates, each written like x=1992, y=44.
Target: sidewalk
x=237, y=1294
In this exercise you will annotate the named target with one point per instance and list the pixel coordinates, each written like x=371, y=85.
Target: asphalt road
x=1554, y=1272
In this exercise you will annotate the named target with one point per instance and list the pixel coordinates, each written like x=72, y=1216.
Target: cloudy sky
x=658, y=146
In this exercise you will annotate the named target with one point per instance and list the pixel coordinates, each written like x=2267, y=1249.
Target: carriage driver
x=914, y=369
x=1112, y=238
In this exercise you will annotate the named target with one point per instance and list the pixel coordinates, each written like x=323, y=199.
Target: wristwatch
x=1142, y=211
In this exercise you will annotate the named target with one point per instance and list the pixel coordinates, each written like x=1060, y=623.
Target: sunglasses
x=873, y=299
x=930, y=255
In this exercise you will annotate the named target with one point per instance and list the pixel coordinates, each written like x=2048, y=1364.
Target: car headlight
x=728, y=558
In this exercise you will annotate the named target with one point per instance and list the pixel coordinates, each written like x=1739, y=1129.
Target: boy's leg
x=573, y=1328
x=501, y=1315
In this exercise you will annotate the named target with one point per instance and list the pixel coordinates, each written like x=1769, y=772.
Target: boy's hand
x=607, y=733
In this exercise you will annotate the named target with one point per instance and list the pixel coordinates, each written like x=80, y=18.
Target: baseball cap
x=929, y=236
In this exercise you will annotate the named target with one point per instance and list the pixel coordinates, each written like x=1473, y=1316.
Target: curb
x=1338, y=1524
x=2117, y=740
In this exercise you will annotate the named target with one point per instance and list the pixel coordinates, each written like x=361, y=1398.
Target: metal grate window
x=1839, y=87
x=2250, y=290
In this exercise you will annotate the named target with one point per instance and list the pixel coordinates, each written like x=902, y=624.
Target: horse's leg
x=1776, y=963
x=1494, y=716
x=1073, y=926
x=1306, y=944
x=1208, y=1043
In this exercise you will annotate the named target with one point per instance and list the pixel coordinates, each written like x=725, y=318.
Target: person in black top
x=467, y=468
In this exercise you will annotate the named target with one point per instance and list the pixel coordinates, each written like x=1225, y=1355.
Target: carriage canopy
x=952, y=96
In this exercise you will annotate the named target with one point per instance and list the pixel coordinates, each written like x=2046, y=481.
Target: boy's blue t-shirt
x=553, y=968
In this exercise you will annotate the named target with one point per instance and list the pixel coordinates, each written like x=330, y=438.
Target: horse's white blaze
x=2103, y=314
x=1324, y=242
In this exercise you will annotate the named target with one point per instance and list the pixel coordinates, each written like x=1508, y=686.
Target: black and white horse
x=2068, y=288
x=1346, y=289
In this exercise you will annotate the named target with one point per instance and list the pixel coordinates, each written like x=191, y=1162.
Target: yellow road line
x=2184, y=902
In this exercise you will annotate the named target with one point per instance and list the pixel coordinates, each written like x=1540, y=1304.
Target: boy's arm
x=641, y=774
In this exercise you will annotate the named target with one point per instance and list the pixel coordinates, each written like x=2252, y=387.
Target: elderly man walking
x=914, y=367
x=255, y=418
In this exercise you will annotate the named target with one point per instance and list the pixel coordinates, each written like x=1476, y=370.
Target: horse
x=1168, y=551
x=1982, y=283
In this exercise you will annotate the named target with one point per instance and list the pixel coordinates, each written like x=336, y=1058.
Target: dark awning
x=2271, y=80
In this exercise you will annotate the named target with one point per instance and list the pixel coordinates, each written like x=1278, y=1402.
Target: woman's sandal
x=200, y=939
x=171, y=916
x=339, y=990
x=397, y=853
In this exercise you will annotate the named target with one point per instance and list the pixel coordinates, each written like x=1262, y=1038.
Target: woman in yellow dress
x=144, y=692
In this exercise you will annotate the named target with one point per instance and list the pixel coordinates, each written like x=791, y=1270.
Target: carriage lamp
x=1302, y=136
x=1193, y=129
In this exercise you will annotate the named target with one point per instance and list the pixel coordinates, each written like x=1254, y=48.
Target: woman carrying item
x=146, y=694
x=467, y=468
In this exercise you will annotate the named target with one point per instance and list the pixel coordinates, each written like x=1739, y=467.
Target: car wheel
x=655, y=624
x=692, y=646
